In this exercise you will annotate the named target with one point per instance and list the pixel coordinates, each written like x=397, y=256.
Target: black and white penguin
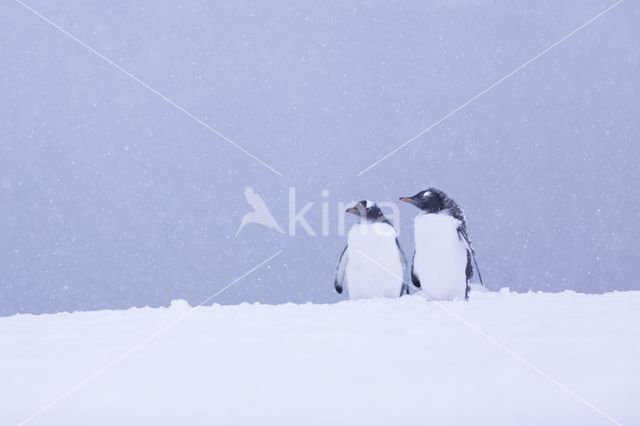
x=372, y=264
x=442, y=262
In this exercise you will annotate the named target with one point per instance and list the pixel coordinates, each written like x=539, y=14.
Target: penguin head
x=430, y=200
x=367, y=211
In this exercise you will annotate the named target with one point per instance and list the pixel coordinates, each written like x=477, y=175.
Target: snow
x=441, y=256
x=376, y=362
x=374, y=266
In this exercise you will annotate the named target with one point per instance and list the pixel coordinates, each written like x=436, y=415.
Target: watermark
x=320, y=217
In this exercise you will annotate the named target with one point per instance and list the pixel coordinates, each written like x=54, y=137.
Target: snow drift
x=378, y=362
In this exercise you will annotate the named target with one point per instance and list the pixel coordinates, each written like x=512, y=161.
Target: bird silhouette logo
x=260, y=214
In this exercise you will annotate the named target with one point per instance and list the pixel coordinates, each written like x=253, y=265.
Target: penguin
x=442, y=261
x=373, y=263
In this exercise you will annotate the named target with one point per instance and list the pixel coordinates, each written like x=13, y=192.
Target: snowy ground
x=373, y=362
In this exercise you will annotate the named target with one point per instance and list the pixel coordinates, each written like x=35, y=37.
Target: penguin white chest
x=374, y=268
x=441, y=257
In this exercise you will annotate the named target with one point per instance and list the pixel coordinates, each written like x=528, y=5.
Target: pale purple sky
x=110, y=197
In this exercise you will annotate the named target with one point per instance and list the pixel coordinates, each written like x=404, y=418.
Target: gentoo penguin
x=442, y=260
x=372, y=264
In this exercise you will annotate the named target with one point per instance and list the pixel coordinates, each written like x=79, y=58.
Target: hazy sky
x=110, y=197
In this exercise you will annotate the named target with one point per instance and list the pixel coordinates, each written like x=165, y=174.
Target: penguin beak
x=407, y=199
x=353, y=210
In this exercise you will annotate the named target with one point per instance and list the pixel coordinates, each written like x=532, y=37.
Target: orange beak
x=407, y=200
x=352, y=210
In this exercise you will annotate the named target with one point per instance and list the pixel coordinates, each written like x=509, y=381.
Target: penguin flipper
x=471, y=255
x=339, y=283
x=414, y=278
x=403, y=259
